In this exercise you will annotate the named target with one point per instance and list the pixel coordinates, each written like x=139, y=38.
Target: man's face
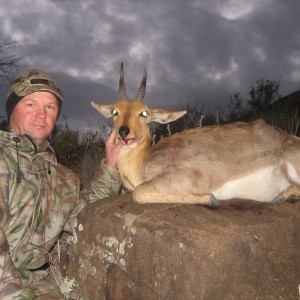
x=35, y=114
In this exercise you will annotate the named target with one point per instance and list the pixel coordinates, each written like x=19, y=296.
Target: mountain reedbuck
x=253, y=161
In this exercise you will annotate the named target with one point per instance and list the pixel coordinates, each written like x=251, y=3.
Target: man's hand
x=112, y=150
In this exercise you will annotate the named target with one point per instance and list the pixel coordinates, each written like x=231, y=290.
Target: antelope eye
x=114, y=113
x=144, y=114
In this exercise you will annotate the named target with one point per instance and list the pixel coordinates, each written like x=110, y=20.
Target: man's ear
x=163, y=116
x=104, y=109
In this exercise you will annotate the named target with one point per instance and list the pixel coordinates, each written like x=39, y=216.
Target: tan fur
x=252, y=161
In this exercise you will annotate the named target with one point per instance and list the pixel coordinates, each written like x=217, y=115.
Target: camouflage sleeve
x=10, y=281
x=80, y=203
x=106, y=182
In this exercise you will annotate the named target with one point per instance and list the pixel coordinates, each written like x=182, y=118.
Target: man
x=39, y=198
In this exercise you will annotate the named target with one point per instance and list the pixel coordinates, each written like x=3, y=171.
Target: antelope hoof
x=214, y=202
x=279, y=199
x=290, y=199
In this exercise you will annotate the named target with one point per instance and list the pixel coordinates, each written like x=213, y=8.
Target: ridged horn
x=122, y=87
x=142, y=89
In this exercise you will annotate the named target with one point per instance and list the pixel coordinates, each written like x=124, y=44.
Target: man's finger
x=112, y=138
x=119, y=145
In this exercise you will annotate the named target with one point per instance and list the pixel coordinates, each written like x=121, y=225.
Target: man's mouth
x=39, y=125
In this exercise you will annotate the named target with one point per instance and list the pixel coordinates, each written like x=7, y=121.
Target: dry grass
x=68, y=286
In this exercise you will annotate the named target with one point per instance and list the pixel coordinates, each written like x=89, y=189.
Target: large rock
x=240, y=250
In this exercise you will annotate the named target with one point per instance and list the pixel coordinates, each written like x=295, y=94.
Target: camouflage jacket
x=39, y=198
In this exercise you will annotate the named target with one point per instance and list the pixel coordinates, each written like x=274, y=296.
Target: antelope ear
x=104, y=109
x=163, y=116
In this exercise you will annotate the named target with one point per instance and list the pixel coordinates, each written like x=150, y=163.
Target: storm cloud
x=194, y=51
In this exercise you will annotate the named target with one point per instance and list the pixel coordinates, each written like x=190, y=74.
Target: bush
x=81, y=152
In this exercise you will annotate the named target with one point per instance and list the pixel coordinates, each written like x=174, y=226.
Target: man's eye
x=144, y=114
x=114, y=113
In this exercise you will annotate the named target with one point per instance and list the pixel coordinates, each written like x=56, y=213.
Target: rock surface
x=240, y=250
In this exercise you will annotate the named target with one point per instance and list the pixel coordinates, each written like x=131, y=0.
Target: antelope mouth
x=127, y=141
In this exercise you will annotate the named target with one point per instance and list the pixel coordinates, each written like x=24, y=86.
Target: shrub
x=80, y=151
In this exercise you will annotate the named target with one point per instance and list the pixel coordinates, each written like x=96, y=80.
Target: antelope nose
x=123, y=132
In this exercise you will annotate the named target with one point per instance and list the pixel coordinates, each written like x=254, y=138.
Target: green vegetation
x=80, y=151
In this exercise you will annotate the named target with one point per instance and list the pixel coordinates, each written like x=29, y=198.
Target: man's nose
x=41, y=113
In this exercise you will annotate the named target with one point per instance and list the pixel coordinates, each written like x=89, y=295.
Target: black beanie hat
x=29, y=82
x=13, y=100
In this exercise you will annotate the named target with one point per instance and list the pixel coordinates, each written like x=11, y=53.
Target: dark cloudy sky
x=194, y=50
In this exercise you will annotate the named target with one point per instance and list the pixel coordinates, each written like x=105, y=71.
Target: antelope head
x=132, y=116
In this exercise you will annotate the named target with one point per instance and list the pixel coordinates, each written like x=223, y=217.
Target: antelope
x=250, y=161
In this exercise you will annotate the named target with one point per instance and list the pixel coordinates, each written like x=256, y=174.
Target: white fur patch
x=264, y=185
x=292, y=173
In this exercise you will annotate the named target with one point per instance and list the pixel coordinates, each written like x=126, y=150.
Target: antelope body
x=252, y=161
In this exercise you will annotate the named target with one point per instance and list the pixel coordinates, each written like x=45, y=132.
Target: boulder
x=239, y=250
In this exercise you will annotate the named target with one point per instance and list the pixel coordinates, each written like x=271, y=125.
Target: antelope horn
x=122, y=87
x=142, y=89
